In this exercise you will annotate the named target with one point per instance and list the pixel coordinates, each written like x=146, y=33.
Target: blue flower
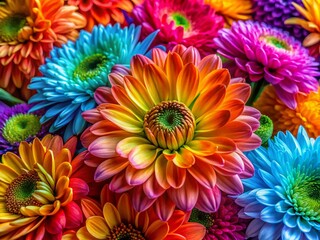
x=77, y=69
x=283, y=196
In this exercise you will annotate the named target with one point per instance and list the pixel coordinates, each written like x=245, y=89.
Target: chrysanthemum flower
x=232, y=10
x=282, y=197
x=310, y=22
x=259, y=52
x=178, y=126
x=115, y=218
x=104, y=12
x=37, y=190
x=28, y=31
x=17, y=125
x=188, y=22
x=77, y=69
x=306, y=113
x=275, y=12
x=224, y=224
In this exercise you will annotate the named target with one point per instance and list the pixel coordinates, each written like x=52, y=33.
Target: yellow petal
x=111, y=215
x=7, y=174
x=13, y=161
x=97, y=227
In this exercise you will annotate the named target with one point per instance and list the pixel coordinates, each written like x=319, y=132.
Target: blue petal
x=268, y=197
x=270, y=231
x=270, y=215
x=282, y=206
x=291, y=233
x=78, y=123
x=253, y=209
x=290, y=220
x=313, y=234
x=303, y=224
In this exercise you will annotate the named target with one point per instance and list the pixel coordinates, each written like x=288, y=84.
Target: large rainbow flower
x=179, y=22
x=77, y=69
x=262, y=53
x=28, y=31
x=178, y=126
x=37, y=190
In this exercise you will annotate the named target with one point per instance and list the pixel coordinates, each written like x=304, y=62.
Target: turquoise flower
x=77, y=69
x=283, y=197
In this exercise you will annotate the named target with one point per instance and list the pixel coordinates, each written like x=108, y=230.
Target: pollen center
x=10, y=26
x=19, y=193
x=125, y=232
x=180, y=20
x=276, y=42
x=169, y=124
x=21, y=126
x=201, y=217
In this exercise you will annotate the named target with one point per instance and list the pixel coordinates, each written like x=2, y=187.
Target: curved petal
x=184, y=158
x=204, y=174
x=213, y=121
x=97, y=227
x=111, y=215
x=175, y=176
x=173, y=66
x=152, y=189
x=161, y=171
x=143, y=155
x=125, y=146
x=201, y=147
x=157, y=230
x=109, y=168
x=192, y=230
x=105, y=147
x=138, y=176
x=230, y=184
x=125, y=209
x=209, y=199
x=216, y=77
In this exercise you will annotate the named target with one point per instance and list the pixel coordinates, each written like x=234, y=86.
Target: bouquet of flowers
x=159, y=119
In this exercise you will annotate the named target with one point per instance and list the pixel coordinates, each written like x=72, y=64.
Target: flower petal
x=111, y=215
x=97, y=227
x=175, y=176
x=143, y=155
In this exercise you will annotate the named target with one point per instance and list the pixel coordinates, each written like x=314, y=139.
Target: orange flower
x=115, y=218
x=28, y=31
x=306, y=113
x=179, y=125
x=104, y=12
x=36, y=190
x=232, y=10
x=311, y=23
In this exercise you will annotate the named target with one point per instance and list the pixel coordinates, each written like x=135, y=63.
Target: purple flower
x=257, y=51
x=17, y=125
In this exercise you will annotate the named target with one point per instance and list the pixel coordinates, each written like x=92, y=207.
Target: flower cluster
x=159, y=119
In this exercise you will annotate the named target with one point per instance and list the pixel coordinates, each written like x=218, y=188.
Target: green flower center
x=125, y=232
x=91, y=67
x=201, y=217
x=21, y=126
x=10, y=27
x=276, y=42
x=19, y=193
x=266, y=128
x=180, y=20
x=169, y=124
x=306, y=198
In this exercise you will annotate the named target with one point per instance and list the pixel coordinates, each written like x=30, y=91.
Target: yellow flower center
x=170, y=124
x=125, y=232
x=19, y=193
x=312, y=106
x=10, y=27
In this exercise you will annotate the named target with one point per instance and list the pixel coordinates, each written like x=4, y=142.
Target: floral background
x=159, y=119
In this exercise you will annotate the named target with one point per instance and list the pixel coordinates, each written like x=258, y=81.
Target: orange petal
x=184, y=158
x=159, y=57
x=173, y=66
x=208, y=64
x=97, y=227
x=175, y=176
x=204, y=174
x=83, y=234
x=125, y=146
x=235, y=106
x=160, y=171
x=192, y=230
x=143, y=156
x=216, y=77
x=234, y=130
x=201, y=147
x=90, y=208
x=111, y=215
x=125, y=209
x=213, y=121
x=223, y=145
x=158, y=230
x=239, y=90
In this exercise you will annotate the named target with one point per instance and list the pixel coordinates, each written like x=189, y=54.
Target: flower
x=76, y=70
x=37, y=190
x=177, y=129
x=104, y=12
x=179, y=23
x=115, y=218
x=310, y=22
x=282, y=197
x=275, y=12
x=28, y=31
x=232, y=10
x=224, y=224
x=17, y=125
x=306, y=113
x=260, y=52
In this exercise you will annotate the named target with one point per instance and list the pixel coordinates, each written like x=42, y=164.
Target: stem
x=256, y=90
x=7, y=97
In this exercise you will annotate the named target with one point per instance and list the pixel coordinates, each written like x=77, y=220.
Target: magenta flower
x=188, y=22
x=257, y=51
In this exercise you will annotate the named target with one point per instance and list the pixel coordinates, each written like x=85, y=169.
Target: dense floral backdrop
x=159, y=119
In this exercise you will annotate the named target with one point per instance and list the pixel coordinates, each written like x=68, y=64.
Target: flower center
x=21, y=126
x=91, y=67
x=276, y=42
x=180, y=20
x=10, y=26
x=203, y=218
x=169, y=124
x=125, y=232
x=19, y=193
x=313, y=106
x=306, y=198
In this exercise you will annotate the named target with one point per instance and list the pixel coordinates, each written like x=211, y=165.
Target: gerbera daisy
x=275, y=13
x=260, y=52
x=306, y=113
x=224, y=224
x=36, y=196
x=310, y=22
x=77, y=69
x=104, y=12
x=282, y=197
x=179, y=23
x=17, y=125
x=115, y=218
x=232, y=10
x=178, y=126
x=28, y=31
